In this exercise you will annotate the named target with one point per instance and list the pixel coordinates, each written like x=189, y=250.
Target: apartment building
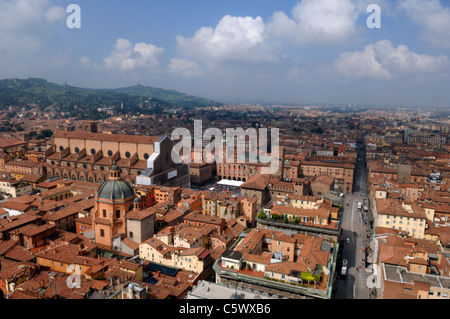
x=32, y=235
x=228, y=206
x=70, y=258
x=342, y=173
x=317, y=217
x=14, y=188
x=198, y=220
x=193, y=259
x=21, y=167
x=287, y=265
x=408, y=218
x=412, y=268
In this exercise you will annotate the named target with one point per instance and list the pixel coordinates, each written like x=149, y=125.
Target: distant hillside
x=72, y=101
x=170, y=96
x=83, y=103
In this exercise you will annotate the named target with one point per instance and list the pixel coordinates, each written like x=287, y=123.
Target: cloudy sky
x=248, y=51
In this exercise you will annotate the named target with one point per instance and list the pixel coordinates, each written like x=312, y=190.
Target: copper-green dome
x=115, y=189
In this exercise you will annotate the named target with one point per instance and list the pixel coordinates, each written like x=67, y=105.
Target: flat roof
x=209, y=290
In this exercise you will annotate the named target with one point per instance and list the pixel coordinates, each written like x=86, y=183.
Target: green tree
x=44, y=134
x=262, y=215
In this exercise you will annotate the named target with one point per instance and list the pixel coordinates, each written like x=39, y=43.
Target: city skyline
x=284, y=52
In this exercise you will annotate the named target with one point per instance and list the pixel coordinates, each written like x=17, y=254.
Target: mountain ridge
x=42, y=93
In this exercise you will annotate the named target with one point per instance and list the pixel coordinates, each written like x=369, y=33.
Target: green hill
x=170, y=96
x=83, y=102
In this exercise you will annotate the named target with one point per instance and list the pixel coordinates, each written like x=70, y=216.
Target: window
x=118, y=213
x=102, y=233
x=104, y=213
x=131, y=234
x=93, y=151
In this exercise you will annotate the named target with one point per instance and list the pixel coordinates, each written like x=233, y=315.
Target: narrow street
x=355, y=238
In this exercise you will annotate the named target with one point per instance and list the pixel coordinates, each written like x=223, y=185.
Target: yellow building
x=191, y=259
x=410, y=219
x=305, y=202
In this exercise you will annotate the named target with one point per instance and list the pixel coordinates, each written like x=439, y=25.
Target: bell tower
x=90, y=126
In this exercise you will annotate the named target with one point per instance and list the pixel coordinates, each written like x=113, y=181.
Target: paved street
x=357, y=228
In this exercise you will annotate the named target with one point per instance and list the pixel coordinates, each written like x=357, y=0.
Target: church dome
x=115, y=187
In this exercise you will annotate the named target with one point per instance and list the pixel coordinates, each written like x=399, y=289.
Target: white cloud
x=316, y=21
x=233, y=39
x=55, y=13
x=85, y=62
x=25, y=26
x=27, y=15
x=129, y=57
x=184, y=67
x=361, y=64
x=382, y=60
x=432, y=16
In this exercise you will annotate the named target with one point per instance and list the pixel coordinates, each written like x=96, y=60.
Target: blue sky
x=266, y=51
